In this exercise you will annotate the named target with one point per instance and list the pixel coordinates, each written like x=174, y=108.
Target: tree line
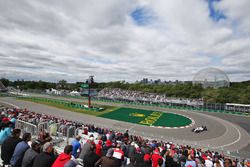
x=238, y=92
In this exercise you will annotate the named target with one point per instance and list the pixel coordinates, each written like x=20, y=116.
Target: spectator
x=126, y=135
x=98, y=150
x=118, y=154
x=5, y=132
x=106, y=161
x=169, y=160
x=31, y=154
x=71, y=163
x=9, y=146
x=160, y=162
x=64, y=157
x=107, y=146
x=21, y=147
x=146, y=161
x=228, y=163
x=155, y=157
x=91, y=157
x=86, y=148
x=76, y=146
x=218, y=162
x=132, y=162
x=45, y=158
x=190, y=162
x=131, y=150
x=208, y=161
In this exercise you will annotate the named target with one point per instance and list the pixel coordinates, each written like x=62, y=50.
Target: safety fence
x=55, y=129
x=209, y=107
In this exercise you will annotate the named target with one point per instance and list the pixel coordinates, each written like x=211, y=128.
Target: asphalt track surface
x=224, y=133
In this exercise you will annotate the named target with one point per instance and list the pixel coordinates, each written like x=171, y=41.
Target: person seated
x=31, y=154
x=46, y=157
x=20, y=149
x=9, y=145
x=64, y=157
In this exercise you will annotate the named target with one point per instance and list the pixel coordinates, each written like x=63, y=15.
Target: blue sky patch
x=215, y=14
x=142, y=16
x=216, y=60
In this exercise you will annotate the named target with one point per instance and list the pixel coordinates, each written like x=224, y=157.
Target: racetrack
x=221, y=134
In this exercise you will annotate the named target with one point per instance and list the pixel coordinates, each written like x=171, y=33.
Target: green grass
x=165, y=119
x=137, y=116
x=61, y=104
x=172, y=120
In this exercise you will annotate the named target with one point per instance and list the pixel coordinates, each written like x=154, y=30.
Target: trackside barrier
x=43, y=127
x=26, y=127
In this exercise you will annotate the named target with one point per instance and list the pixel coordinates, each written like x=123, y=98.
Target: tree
x=62, y=84
x=5, y=81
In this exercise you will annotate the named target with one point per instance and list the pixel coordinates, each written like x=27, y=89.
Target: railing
x=26, y=127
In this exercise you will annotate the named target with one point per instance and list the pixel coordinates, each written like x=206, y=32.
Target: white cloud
x=53, y=40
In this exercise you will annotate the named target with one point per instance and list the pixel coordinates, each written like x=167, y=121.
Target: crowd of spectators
x=143, y=97
x=98, y=147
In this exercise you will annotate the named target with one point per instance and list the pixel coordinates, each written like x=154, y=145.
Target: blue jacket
x=76, y=145
x=6, y=132
x=17, y=157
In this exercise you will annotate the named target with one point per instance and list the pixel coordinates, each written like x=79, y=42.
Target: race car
x=199, y=129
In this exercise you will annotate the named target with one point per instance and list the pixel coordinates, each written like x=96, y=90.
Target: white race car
x=199, y=129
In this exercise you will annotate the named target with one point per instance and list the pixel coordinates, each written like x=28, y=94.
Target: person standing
x=9, y=146
x=20, y=149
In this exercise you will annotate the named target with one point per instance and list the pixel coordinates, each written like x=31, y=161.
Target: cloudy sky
x=123, y=39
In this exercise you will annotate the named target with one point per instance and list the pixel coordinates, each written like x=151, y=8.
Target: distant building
x=53, y=91
x=158, y=82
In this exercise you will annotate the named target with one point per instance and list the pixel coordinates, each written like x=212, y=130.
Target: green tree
x=5, y=81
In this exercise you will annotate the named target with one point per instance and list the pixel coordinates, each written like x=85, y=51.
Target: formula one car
x=199, y=129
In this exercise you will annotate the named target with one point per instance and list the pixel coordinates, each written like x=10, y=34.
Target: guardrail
x=26, y=127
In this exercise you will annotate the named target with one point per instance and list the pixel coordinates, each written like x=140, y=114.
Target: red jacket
x=155, y=158
x=98, y=149
x=61, y=160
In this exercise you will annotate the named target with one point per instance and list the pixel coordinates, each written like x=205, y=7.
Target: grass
x=165, y=119
x=61, y=104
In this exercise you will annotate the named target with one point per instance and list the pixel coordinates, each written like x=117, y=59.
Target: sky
x=123, y=39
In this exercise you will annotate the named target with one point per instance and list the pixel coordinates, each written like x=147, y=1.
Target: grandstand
x=63, y=131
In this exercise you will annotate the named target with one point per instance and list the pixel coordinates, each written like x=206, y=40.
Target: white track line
x=229, y=144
